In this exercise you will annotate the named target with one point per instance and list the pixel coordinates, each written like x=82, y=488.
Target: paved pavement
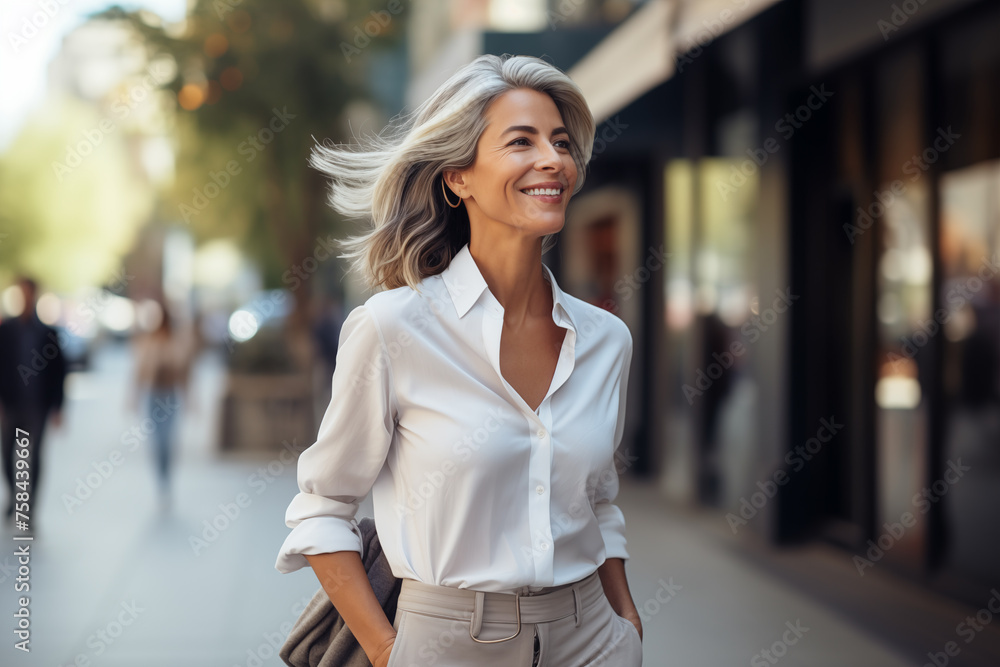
x=116, y=581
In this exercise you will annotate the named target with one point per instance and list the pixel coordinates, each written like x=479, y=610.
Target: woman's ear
x=455, y=180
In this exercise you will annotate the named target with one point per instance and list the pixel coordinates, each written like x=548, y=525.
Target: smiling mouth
x=550, y=193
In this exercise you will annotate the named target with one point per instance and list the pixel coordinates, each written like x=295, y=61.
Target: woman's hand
x=615, y=584
x=345, y=581
x=382, y=656
x=636, y=621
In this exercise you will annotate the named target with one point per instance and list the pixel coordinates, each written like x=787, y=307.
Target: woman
x=162, y=367
x=480, y=403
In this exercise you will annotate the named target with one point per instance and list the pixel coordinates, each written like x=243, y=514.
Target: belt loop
x=477, y=614
x=578, y=607
x=477, y=620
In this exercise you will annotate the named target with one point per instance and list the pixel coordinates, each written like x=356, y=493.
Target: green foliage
x=67, y=225
x=288, y=54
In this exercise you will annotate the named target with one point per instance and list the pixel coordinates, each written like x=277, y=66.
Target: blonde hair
x=395, y=180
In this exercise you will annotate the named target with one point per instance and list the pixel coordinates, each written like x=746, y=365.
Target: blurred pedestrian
x=326, y=336
x=32, y=374
x=326, y=332
x=162, y=369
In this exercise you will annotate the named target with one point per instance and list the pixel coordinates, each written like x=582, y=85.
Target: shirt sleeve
x=337, y=471
x=609, y=516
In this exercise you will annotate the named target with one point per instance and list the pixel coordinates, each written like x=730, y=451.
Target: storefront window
x=730, y=313
x=905, y=334
x=899, y=213
x=970, y=318
x=678, y=291
x=711, y=310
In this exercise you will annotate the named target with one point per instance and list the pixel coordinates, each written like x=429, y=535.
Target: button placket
x=539, y=431
x=540, y=473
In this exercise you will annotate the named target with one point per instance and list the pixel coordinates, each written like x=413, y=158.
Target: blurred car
x=76, y=349
x=256, y=334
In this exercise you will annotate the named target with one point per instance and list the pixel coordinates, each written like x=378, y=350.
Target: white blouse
x=471, y=487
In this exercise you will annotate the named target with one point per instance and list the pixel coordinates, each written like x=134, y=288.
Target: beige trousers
x=574, y=626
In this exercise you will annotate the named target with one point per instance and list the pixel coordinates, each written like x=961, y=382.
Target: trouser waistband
x=478, y=607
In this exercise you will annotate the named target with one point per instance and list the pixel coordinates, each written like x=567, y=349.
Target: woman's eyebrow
x=531, y=130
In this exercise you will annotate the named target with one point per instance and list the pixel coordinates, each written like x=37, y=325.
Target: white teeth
x=542, y=191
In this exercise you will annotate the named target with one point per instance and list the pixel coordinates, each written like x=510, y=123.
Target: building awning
x=642, y=52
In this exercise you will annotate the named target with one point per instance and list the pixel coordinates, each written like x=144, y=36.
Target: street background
x=226, y=605
x=794, y=205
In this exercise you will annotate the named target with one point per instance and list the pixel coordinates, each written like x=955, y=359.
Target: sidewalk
x=728, y=611
x=120, y=584
x=739, y=593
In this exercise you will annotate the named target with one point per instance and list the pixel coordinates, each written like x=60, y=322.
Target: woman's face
x=523, y=148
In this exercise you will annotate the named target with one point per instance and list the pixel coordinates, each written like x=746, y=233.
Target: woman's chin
x=546, y=224
x=549, y=228
x=537, y=225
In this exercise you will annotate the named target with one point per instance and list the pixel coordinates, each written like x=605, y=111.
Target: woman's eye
x=565, y=142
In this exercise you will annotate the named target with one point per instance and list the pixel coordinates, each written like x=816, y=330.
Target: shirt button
x=544, y=546
x=540, y=489
x=541, y=433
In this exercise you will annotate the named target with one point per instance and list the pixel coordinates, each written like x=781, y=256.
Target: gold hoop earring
x=446, y=196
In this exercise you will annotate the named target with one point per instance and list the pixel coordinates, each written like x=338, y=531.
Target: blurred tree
x=256, y=81
x=67, y=225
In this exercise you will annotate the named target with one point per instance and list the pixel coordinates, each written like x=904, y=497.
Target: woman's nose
x=548, y=158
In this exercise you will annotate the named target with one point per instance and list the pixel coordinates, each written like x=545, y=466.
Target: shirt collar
x=466, y=284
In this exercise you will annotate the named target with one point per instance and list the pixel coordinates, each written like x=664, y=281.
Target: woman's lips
x=546, y=199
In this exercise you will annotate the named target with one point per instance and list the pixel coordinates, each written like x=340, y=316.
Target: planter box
x=260, y=412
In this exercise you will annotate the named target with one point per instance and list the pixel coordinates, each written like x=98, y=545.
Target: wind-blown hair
x=395, y=180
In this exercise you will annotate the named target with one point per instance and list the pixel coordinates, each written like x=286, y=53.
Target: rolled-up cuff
x=317, y=535
x=612, y=523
